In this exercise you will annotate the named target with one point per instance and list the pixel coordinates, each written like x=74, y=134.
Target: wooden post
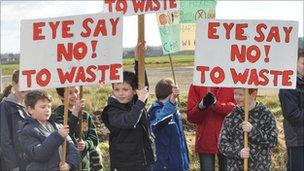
x=246, y=110
x=173, y=74
x=141, y=51
x=80, y=117
x=65, y=120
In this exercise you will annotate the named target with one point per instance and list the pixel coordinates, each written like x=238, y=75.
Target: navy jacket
x=12, y=115
x=292, y=103
x=42, y=146
x=171, y=146
x=129, y=140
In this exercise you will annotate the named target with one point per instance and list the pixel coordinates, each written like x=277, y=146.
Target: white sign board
x=137, y=7
x=70, y=51
x=246, y=53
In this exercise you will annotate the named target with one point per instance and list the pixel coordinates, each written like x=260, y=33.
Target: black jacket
x=12, y=115
x=292, y=103
x=130, y=141
x=42, y=146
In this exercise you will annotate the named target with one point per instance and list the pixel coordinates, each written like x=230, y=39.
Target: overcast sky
x=13, y=11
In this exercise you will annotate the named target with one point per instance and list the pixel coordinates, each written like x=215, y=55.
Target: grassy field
x=151, y=62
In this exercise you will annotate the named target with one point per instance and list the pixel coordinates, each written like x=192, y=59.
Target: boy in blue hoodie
x=166, y=124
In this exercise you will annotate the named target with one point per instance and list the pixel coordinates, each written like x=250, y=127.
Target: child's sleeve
x=72, y=155
x=267, y=134
x=227, y=145
x=73, y=121
x=126, y=119
x=39, y=151
x=91, y=140
x=194, y=114
x=290, y=106
x=168, y=110
x=10, y=157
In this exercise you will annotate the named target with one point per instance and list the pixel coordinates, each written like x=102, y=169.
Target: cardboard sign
x=190, y=12
x=169, y=29
x=246, y=53
x=69, y=51
x=137, y=7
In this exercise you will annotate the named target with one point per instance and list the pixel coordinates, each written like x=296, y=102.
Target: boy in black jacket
x=292, y=103
x=126, y=118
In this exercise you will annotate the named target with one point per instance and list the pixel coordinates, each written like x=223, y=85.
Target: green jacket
x=89, y=132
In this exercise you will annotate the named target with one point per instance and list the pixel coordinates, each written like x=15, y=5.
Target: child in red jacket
x=207, y=109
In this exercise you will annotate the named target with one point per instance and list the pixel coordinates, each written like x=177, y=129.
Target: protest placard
x=70, y=51
x=137, y=7
x=246, y=53
x=169, y=29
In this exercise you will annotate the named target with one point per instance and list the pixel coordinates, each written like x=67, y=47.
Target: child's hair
x=163, y=88
x=250, y=90
x=300, y=53
x=60, y=91
x=7, y=90
x=34, y=96
x=130, y=78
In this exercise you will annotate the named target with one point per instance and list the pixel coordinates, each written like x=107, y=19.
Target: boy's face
x=123, y=92
x=41, y=111
x=73, y=96
x=239, y=96
x=300, y=65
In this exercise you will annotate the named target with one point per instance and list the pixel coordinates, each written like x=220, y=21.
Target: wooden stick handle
x=65, y=121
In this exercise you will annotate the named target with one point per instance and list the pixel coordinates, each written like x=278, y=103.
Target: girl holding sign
x=207, y=108
x=12, y=113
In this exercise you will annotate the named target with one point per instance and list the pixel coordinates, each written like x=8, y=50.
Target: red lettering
x=217, y=75
x=91, y=73
x=253, y=77
x=286, y=78
x=67, y=76
x=43, y=77
x=273, y=34
x=103, y=69
x=54, y=26
x=114, y=25
x=100, y=28
x=253, y=57
x=173, y=4
x=138, y=5
x=66, y=28
x=37, y=30
x=109, y=2
x=228, y=28
x=212, y=30
x=202, y=69
x=239, y=77
x=63, y=52
x=235, y=53
x=275, y=76
x=156, y=5
x=28, y=74
x=262, y=75
x=114, y=71
x=239, y=32
x=287, y=33
x=80, y=75
x=80, y=50
x=86, y=27
x=261, y=36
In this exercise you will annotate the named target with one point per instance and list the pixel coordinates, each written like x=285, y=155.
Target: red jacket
x=209, y=121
